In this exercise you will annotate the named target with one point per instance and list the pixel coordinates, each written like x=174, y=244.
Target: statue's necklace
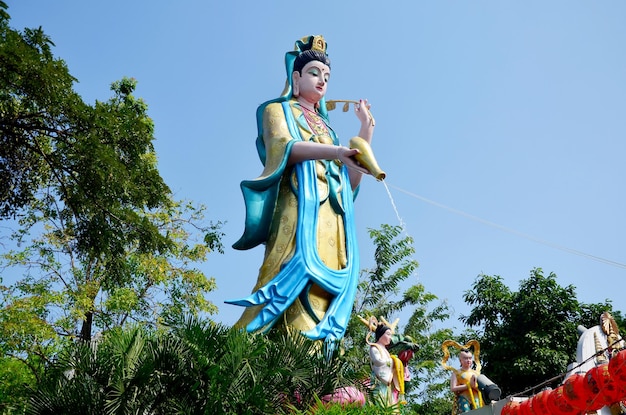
x=315, y=122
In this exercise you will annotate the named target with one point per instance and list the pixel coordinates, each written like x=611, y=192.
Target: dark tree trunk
x=85, y=331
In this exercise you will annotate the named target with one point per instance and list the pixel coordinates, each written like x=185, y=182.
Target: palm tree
x=238, y=372
x=189, y=367
x=125, y=372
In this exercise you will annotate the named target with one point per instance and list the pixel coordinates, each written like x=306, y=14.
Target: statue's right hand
x=346, y=156
x=362, y=111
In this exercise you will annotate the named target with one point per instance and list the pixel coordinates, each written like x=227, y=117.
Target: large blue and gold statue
x=301, y=207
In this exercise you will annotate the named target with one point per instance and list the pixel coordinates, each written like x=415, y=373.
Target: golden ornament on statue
x=332, y=104
x=366, y=157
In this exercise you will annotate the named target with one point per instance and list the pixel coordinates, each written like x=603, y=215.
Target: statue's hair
x=308, y=56
x=380, y=330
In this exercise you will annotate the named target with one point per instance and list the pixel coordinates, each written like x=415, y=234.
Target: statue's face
x=312, y=81
x=466, y=360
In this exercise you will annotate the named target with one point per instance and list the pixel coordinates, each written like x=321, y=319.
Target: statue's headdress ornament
x=315, y=42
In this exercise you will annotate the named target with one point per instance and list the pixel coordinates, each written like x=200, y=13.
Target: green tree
x=91, y=165
x=529, y=336
x=98, y=240
x=15, y=379
x=59, y=294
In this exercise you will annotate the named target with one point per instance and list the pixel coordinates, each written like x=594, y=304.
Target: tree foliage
x=97, y=240
x=189, y=367
x=529, y=336
x=69, y=297
x=89, y=166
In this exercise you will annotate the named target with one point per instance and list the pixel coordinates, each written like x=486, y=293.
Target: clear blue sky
x=501, y=125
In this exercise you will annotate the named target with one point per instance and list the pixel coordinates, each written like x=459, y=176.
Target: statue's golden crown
x=315, y=42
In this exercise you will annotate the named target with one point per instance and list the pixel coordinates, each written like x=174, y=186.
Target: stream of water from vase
x=395, y=208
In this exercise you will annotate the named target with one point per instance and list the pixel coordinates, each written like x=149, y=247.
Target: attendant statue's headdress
x=472, y=346
x=378, y=328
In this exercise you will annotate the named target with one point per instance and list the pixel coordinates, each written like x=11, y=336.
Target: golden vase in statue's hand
x=366, y=157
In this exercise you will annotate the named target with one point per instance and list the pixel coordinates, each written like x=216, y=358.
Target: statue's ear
x=295, y=87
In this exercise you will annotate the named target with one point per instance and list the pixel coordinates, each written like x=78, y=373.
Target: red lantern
x=617, y=364
x=576, y=393
x=617, y=369
x=558, y=405
x=510, y=408
x=608, y=390
x=539, y=403
x=524, y=408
